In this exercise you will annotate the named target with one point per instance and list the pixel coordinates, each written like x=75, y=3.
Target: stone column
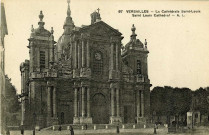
x=118, y=102
x=26, y=79
x=23, y=112
x=76, y=102
x=88, y=54
x=71, y=52
x=142, y=103
x=117, y=58
x=31, y=57
x=83, y=102
x=38, y=59
x=22, y=82
x=83, y=54
x=88, y=102
x=22, y=100
x=51, y=53
x=49, y=101
x=79, y=102
x=79, y=56
x=138, y=103
x=75, y=54
x=55, y=102
x=112, y=102
x=111, y=57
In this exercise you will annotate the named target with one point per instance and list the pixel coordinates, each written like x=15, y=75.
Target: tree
x=200, y=99
x=12, y=103
x=168, y=101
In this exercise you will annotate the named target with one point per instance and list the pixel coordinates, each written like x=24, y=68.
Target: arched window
x=42, y=59
x=97, y=63
x=138, y=69
x=99, y=99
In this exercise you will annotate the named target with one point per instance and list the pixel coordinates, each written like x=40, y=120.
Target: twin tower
x=86, y=77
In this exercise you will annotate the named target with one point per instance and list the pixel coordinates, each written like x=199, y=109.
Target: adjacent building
x=4, y=32
x=86, y=77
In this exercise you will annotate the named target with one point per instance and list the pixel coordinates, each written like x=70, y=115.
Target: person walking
x=155, y=127
x=22, y=130
x=118, y=130
x=60, y=128
x=7, y=132
x=34, y=131
x=71, y=130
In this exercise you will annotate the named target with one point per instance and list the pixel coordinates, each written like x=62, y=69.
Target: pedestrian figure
x=34, y=131
x=86, y=126
x=22, y=130
x=71, y=130
x=155, y=131
x=60, y=128
x=7, y=132
x=118, y=129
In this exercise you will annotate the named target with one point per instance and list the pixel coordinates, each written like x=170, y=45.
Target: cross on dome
x=98, y=10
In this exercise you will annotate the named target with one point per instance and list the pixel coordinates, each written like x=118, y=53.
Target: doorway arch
x=100, y=109
x=62, y=121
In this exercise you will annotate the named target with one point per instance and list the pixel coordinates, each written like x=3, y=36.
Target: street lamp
x=34, y=122
x=23, y=97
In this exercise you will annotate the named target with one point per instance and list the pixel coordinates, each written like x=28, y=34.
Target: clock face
x=98, y=56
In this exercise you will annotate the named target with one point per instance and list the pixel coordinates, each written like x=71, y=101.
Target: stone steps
x=143, y=131
x=97, y=126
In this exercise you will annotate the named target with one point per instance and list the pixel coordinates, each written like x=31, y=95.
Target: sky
x=178, y=45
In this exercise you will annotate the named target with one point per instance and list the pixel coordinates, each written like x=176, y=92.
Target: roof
x=42, y=32
x=115, y=31
x=3, y=20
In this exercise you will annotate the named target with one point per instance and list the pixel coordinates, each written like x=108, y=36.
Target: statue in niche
x=66, y=53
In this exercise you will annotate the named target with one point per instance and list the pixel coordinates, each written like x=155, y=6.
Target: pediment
x=101, y=29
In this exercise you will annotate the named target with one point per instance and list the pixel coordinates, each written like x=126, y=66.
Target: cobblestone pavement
x=147, y=131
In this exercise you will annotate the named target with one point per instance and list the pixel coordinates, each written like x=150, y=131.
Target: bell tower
x=41, y=47
x=135, y=56
x=41, y=82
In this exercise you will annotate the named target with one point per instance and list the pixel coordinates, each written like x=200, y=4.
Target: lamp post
x=193, y=107
x=23, y=97
x=34, y=123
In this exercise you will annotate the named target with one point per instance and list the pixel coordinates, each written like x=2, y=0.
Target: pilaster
x=75, y=55
x=115, y=104
x=51, y=103
x=31, y=46
x=79, y=55
x=88, y=53
x=118, y=101
x=83, y=52
x=49, y=109
x=140, y=106
x=88, y=103
x=83, y=102
x=85, y=116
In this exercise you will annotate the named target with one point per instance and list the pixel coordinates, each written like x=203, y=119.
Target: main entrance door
x=66, y=113
x=62, y=118
x=99, y=109
x=128, y=114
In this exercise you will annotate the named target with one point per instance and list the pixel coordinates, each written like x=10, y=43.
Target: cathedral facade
x=86, y=77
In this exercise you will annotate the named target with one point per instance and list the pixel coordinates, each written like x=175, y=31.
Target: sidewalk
x=142, y=131
x=147, y=131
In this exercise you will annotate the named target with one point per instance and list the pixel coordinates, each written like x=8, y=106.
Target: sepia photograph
x=85, y=67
